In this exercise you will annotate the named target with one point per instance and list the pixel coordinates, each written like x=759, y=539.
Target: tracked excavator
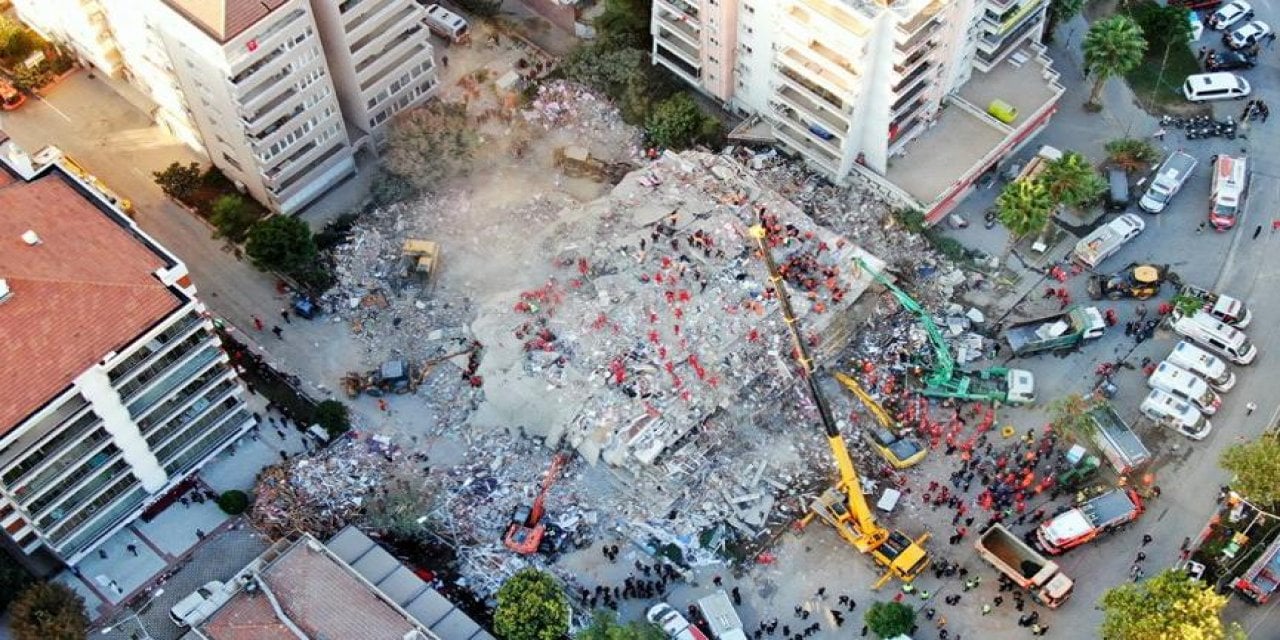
x=843, y=506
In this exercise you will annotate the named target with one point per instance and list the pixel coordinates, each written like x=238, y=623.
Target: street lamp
x=133, y=635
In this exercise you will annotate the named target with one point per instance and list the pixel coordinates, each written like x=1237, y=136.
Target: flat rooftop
x=87, y=289
x=1024, y=80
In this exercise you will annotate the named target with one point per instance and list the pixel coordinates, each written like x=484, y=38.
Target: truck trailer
x=1106, y=240
x=1118, y=442
x=722, y=619
x=1089, y=520
x=1058, y=331
x=1263, y=577
x=1022, y=564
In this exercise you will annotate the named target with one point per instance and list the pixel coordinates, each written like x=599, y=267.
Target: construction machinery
x=525, y=532
x=578, y=162
x=1140, y=281
x=843, y=506
x=898, y=451
x=944, y=379
x=421, y=259
x=399, y=376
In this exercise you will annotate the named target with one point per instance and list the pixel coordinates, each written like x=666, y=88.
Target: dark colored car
x=1228, y=61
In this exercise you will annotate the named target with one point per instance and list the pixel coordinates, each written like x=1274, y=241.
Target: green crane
x=996, y=384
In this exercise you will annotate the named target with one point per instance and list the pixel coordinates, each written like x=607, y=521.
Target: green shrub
x=334, y=417
x=233, y=502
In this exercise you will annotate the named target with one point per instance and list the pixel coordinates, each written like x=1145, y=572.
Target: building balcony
x=836, y=81
x=276, y=107
x=829, y=17
x=921, y=36
x=96, y=523
x=799, y=142
x=909, y=64
x=267, y=83
x=907, y=84
x=386, y=64
x=1009, y=20
x=384, y=18
x=819, y=135
x=812, y=110
x=679, y=26
x=690, y=73
x=197, y=364
x=384, y=43
x=679, y=7
x=676, y=45
x=900, y=106
x=992, y=48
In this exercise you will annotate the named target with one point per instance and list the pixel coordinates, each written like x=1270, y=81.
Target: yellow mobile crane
x=898, y=451
x=843, y=506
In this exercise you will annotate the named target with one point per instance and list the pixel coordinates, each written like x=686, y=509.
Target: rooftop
x=87, y=289
x=1019, y=80
x=224, y=19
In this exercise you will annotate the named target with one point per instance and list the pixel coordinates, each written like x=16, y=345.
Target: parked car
x=193, y=609
x=1249, y=34
x=673, y=623
x=1229, y=14
x=1228, y=61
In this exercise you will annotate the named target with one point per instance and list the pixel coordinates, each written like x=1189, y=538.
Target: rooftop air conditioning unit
x=5, y=291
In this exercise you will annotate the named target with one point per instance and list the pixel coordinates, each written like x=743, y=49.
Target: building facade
x=113, y=386
x=278, y=94
x=847, y=84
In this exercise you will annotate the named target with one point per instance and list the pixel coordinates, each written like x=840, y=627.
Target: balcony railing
x=678, y=26
x=813, y=110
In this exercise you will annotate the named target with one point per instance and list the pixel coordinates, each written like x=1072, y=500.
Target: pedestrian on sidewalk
x=1141, y=556
x=284, y=313
x=1250, y=408
x=1257, y=231
x=257, y=323
x=278, y=331
x=1146, y=539
x=132, y=549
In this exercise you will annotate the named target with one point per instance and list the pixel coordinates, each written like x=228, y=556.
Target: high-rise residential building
x=113, y=386
x=919, y=96
x=279, y=94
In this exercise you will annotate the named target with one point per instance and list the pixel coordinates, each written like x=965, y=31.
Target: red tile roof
x=85, y=291
x=225, y=19
x=320, y=595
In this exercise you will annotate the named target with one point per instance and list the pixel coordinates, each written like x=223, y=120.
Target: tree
x=605, y=626
x=1187, y=304
x=607, y=70
x=1113, y=47
x=30, y=78
x=1023, y=208
x=1060, y=11
x=15, y=41
x=1256, y=469
x=334, y=417
x=1131, y=154
x=1071, y=180
x=13, y=580
x=481, y=8
x=531, y=606
x=1071, y=417
x=232, y=215
x=1164, y=26
x=1168, y=605
x=890, y=619
x=177, y=181
x=624, y=24
x=677, y=123
x=48, y=611
x=281, y=243
x=430, y=144
x=233, y=502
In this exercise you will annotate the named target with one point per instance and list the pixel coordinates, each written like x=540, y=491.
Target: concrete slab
x=121, y=571
x=924, y=173
x=174, y=530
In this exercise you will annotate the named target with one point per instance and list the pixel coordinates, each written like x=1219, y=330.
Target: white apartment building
x=113, y=386
x=380, y=55
x=898, y=92
x=279, y=94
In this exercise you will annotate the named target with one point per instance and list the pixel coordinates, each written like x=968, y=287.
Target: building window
x=232, y=161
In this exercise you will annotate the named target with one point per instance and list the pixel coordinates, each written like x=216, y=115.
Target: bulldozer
x=578, y=162
x=394, y=376
x=1138, y=281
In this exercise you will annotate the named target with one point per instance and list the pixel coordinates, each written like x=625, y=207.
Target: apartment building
x=864, y=87
x=279, y=94
x=113, y=386
x=380, y=55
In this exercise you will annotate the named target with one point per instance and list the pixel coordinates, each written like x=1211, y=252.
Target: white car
x=1250, y=33
x=673, y=623
x=191, y=610
x=1230, y=13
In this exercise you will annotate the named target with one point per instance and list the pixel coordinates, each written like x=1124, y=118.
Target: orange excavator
x=525, y=532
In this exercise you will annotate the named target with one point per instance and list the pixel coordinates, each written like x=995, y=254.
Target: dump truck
x=1224, y=308
x=1119, y=444
x=1092, y=518
x=722, y=619
x=1106, y=240
x=1262, y=578
x=1063, y=330
x=1042, y=578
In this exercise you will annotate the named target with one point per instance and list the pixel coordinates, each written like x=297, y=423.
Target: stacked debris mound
x=591, y=119
x=657, y=312
x=322, y=493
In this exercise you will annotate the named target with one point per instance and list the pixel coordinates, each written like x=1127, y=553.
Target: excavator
x=525, y=532
x=843, y=506
x=898, y=451
x=944, y=379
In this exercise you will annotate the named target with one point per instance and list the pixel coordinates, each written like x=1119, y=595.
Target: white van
x=1206, y=331
x=1227, y=191
x=1169, y=411
x=447, y=24
x=1204, y=364
x=1202, y=87
x=1179, y=382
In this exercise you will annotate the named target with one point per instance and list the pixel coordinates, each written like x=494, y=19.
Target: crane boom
x=945, y=366
x=843, y=506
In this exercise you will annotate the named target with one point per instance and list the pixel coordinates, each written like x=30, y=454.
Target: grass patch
x=1161, y=92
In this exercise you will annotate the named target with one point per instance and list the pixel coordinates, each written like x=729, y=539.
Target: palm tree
x=1113, y=47
x=1023, y=208
x=1131, y=154
x=1071, y=180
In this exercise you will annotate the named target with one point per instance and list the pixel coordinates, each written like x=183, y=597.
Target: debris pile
x=322, y=493
x=589, y=119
